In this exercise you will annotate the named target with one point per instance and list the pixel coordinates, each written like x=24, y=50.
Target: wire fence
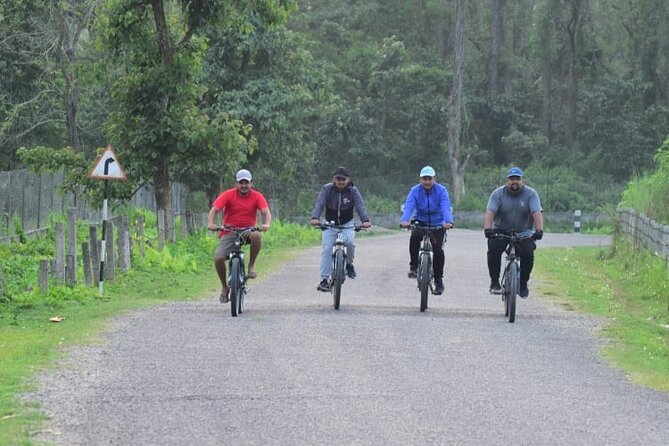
x=645, y=232
x=28, y=200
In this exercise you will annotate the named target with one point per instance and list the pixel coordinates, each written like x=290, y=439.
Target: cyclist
x=238, y=207
x=514, y=206
x=429, y=203
x=338, y=198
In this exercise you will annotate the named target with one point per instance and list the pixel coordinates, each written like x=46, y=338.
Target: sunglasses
x=341, y=178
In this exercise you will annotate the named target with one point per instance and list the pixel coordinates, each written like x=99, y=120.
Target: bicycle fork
x=338, y=245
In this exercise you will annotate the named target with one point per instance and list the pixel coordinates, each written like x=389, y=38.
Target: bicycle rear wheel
x=337, y=278
x=512, y=283
x=235, y=286
x=424, y=278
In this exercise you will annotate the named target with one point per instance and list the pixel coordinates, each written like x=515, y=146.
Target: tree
x=455, y=153
x=158, y=48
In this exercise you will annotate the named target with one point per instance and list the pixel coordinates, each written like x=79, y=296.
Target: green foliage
x=648, y=193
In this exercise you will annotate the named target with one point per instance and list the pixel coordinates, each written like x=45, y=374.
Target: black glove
x=489, y=233
x=537, y=235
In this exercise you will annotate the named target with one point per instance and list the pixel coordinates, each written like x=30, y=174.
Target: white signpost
x=107, y=167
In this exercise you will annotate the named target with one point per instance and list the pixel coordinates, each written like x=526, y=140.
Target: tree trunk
x=455, y=110
x=573, y=29
x=162, y=186
x=497, y=31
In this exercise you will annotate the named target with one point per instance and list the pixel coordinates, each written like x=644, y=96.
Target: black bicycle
x=425, y=269
x=236, y=270
x=338, y=269
x=511, y=276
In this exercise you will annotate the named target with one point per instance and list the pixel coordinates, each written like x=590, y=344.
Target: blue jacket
x=431, y=207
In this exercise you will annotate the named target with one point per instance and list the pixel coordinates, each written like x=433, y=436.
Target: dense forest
x=574, y=91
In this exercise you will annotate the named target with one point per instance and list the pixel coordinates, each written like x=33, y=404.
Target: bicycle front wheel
x=512, y=284
x=424, y=279
x=337, y=277
x=242, y=288
x=235, y=286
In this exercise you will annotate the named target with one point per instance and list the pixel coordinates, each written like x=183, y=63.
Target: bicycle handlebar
x=512, y=236
x=236, y=229
x=330, y=225
x=418, y=225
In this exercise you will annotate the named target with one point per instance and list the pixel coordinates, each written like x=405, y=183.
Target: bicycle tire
x=424, y=276
x=242, y=288
x=337, y=278
x=513, y=290
x=235, y=286
x=505, y=300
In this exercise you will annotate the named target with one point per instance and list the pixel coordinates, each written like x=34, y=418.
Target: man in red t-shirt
x=238, y=207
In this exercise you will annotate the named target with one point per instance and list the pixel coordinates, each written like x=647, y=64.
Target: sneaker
x=350, y=271
x=323, y=286
x=495, y=288
x=438, y=287
x=412, y=273
x=524, y=291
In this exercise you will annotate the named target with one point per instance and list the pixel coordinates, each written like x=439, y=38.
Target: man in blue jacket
x=429, y=203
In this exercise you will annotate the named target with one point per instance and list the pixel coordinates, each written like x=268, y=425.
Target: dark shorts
x=226, y=244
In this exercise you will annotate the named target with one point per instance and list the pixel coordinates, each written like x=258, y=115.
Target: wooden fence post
x=70, y=268
x=161, y=229
x=183, y=226
x=169, y=226
x=110, y=264
x=140, y=235
x=60, y=253
x=86, y=259
x=44, y=276
x=95, y=253
x=72, y=241
x=2, y=283
x=123, y=245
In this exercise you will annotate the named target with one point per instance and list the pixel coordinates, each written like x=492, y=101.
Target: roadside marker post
x=107, y=167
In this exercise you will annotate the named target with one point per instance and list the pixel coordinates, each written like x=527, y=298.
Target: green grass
x=30, y=343
x=630, y=288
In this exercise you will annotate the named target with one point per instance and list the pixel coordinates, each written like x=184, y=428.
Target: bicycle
x=236, y=270
x=425, y=270
x=511, y=276
x=338, y=269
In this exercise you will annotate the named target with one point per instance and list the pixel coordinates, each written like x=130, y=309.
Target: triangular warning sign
x=107, y=167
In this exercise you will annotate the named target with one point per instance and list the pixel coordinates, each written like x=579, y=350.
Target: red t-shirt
x=240, y=210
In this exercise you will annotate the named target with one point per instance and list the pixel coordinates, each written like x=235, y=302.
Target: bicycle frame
x=236, y=269
x=511, y=276
x=425, y=257
x=339, y=255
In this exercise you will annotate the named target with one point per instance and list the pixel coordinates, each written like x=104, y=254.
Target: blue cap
x=515, y=172
x=427, y=171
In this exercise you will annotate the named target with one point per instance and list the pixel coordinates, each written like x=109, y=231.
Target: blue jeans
x=329, y=237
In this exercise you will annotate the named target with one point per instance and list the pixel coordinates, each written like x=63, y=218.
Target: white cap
x=244, y=175
x=427, y=171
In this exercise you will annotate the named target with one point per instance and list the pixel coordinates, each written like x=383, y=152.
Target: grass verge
x=628, y=287
x=30, y=343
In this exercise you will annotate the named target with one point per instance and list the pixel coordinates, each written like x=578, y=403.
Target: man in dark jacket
x=338, y=199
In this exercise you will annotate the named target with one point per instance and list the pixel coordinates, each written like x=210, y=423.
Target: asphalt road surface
x=291, y=370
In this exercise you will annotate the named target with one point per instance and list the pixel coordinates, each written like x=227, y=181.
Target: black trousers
x=524, y=248
x=437, y=237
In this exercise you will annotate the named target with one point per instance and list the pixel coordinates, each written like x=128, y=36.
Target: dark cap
x=341, y=172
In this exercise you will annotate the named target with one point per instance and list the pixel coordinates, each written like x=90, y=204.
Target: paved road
x=291, y=370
